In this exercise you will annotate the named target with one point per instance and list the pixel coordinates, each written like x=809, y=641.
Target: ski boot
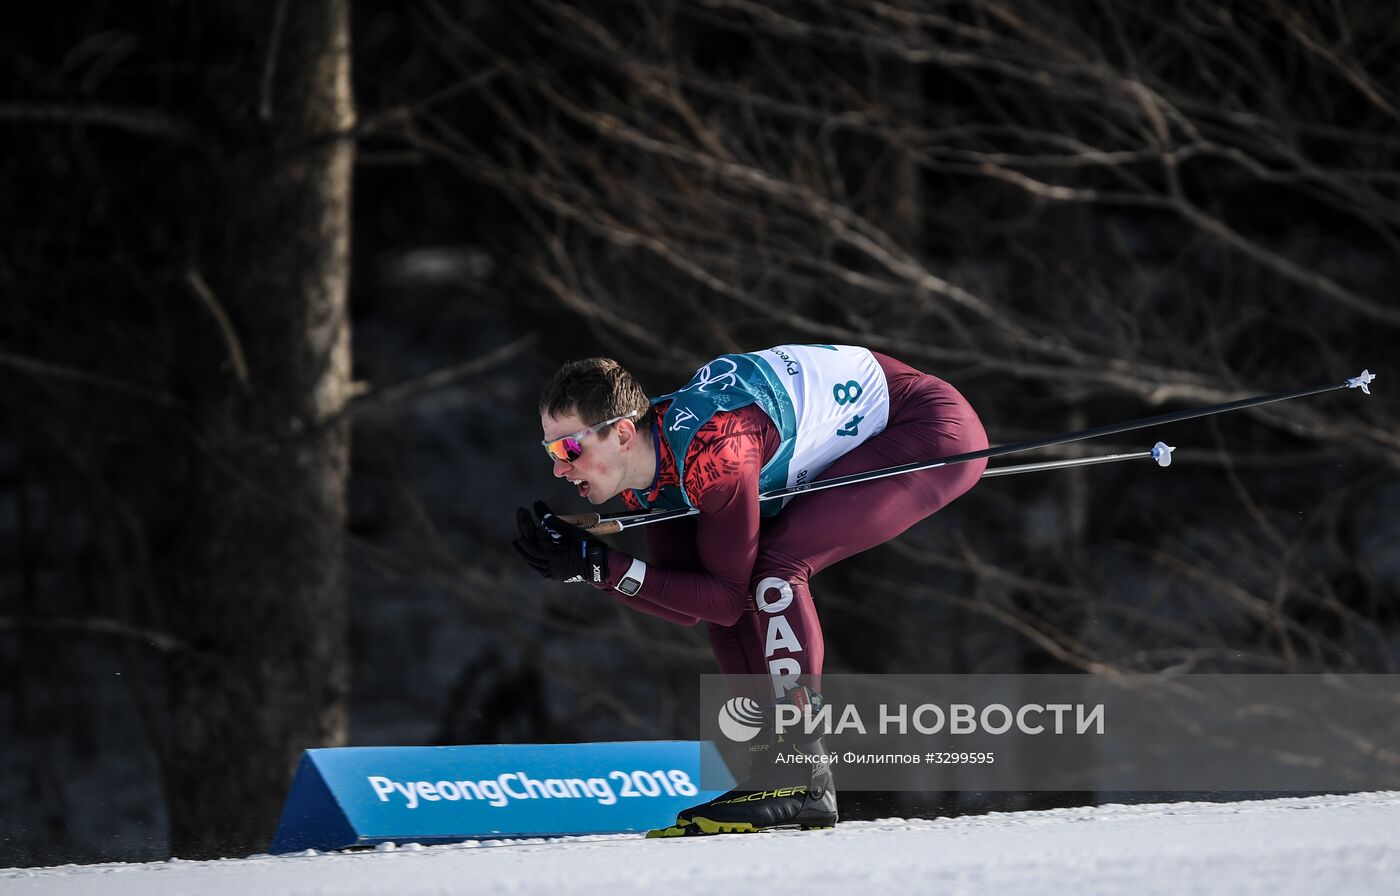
x=789, y=785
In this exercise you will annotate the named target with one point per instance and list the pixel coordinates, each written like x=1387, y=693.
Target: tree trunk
x=259, y=588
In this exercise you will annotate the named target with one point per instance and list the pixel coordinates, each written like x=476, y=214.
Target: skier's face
x=599, y=464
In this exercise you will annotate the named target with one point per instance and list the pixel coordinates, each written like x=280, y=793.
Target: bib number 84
x=845, y=393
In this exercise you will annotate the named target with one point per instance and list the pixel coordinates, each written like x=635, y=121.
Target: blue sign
x=360, y=796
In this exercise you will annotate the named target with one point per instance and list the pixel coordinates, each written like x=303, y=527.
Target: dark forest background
x=280, y=281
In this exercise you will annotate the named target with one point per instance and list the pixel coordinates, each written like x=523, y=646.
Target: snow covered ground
x=1317, y=845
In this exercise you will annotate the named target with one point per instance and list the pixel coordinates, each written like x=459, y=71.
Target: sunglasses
x=568, y=448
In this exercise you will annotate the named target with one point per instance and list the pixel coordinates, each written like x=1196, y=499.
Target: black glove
x=557, y=550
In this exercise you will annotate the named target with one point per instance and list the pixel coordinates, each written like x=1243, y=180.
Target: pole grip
x=592, y=523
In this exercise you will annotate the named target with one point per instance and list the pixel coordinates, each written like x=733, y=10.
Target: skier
x=747, y=423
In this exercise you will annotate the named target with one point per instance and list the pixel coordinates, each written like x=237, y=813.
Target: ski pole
x=600, y=524
x=1361, y=381
x=1161, y=453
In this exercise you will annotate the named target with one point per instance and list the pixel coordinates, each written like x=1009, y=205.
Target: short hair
x=596, y=389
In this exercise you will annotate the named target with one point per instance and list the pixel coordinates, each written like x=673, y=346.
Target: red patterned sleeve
x=721, y=475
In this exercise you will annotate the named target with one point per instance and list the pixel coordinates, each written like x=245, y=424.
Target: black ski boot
x=789, y=785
